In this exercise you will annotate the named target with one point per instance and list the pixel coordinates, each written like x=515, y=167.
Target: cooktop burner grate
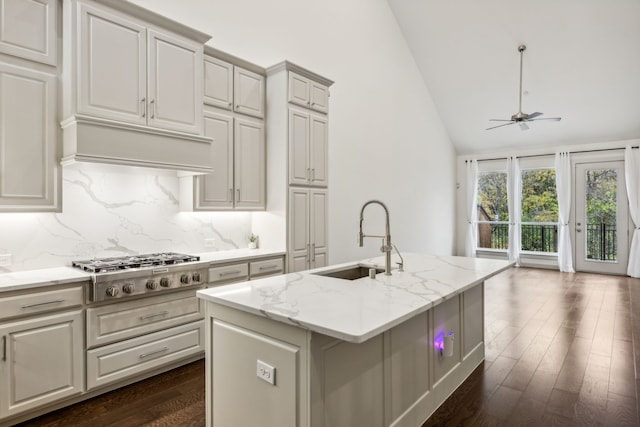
x=105, y=265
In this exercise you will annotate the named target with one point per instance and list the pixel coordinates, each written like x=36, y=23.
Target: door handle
x=4, y=348
x=153, y=108
x=144, y=107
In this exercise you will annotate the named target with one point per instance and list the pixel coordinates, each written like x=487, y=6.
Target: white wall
x=386, y=138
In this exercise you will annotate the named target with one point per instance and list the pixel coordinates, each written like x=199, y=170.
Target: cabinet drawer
x=37, y=302
x=229, y=273
x=131, y=357
x=115, y=322
x=269, y=267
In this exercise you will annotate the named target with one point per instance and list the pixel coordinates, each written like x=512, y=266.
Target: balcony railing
x=600, y=243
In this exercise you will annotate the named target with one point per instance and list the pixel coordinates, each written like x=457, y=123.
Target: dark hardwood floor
x=559, y=351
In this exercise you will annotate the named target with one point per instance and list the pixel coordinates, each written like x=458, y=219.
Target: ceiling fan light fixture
x=521, y=117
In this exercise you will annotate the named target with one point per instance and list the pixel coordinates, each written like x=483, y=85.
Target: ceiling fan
x=522, y=118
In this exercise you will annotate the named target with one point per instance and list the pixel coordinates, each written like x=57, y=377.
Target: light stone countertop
x=356, y=310
x=20, y=280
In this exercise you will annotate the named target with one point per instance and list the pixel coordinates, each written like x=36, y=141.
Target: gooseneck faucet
x=386, y=245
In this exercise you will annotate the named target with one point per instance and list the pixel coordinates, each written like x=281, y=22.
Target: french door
x=601, y=218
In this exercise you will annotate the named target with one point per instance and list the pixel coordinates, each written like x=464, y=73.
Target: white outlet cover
x=266, y=372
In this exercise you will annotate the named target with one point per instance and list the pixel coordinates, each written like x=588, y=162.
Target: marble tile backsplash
x=112, y=211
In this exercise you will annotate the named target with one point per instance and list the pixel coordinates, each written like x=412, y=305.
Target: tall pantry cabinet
x=298, y=125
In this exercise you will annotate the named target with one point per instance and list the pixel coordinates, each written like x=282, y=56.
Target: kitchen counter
x=357, y=310
x=22, y=280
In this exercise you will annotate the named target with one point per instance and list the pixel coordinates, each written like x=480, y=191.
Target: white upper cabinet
x=308, y=148
x=218, y=83
x=132, y=88
x=249, y=164
x=248, y=92
x=215, y=190
x=29, y=170
x=113, y=66
x=28, y=29
x=308, y=93
x=233, y=87
x=175, y=83
x=129, y=72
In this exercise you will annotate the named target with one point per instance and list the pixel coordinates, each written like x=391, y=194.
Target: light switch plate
x=266, y=372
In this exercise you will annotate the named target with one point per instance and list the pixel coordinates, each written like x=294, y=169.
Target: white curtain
x=514, y=197
x=563, y=187
x=471, y=240
x=632, y=179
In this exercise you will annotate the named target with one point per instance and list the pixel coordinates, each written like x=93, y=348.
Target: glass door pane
x=601, y=218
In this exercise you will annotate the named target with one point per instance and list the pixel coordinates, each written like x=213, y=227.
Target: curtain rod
x=545, y=155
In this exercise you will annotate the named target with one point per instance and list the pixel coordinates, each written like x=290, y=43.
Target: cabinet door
x=218, y=83
x=215, y=190
x=249, y=164
x=112, y=60
x=318, y=150
x=298, y=89
x=299, y=171
x=28, y=140
x=318, y=97
x=248, y=92
x=318, y=228
x=28, y=29
x=43, y=362
x=175, y=83
x=298, y=229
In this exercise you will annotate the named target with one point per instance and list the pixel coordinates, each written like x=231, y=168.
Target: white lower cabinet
x=307, y=229
x=124, y=359
x=42, y=361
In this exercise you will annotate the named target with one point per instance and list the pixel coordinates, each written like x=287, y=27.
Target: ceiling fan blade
x=554, y=119
x=523, y=126
x=500, y=120
x=534, y=115
x=499, y=126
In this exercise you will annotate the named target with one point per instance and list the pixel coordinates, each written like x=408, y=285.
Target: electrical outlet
x=266, y=372
x=209, y=243
x=6, y=260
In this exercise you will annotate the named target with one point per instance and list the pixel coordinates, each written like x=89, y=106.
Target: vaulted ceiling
x=582, y=63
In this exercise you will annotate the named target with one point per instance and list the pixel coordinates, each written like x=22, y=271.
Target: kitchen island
x=308, y=349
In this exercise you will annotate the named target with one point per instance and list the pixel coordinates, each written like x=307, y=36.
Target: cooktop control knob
x=152, y=284
x=113, y=291
x=185, y=279
x=196, y=277
x=165, y=282
x=128, y=288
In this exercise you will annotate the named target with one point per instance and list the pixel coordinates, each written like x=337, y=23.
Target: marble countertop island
x=357, y=310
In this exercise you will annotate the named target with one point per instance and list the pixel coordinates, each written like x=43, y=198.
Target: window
x=493, y=210
x=539, y=222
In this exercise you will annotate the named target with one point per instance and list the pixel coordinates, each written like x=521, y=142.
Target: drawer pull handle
x=268, y=267
x=151, y=316
x=229, y=273
x=162, y=350
x=42, y=303
x=4, y=348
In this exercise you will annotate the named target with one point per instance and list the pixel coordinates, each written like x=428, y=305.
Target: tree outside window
x=493, y=211
x=539, y=222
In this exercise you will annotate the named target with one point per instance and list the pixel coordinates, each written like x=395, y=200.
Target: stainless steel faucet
x=386, y=246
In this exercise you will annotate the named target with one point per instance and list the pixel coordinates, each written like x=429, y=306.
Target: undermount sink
x=350, y=273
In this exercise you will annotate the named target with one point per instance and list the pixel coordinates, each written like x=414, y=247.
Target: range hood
x=92, y=139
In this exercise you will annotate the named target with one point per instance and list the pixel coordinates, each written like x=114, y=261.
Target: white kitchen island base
x=308, y=349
